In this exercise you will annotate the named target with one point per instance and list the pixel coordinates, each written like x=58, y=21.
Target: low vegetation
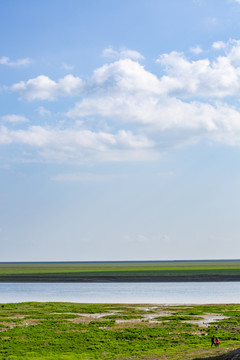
x=122, y=271
x=70, y=331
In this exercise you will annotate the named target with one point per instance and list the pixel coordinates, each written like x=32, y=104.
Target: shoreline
x=120, y=279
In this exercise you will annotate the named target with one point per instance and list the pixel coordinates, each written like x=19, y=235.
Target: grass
x=125, y=270
x=112, y=331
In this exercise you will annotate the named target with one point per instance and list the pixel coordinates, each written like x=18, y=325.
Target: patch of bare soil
x=206, y=320
x=152, y=312
x=29, y=322
x=87, y=318
x=151, y=315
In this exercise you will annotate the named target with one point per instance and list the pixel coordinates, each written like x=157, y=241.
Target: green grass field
x=77, y=271
x=70, y=331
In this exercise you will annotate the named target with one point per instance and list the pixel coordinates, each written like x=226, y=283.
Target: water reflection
x=161, y=293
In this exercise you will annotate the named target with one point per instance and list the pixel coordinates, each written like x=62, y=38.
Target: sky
x=119, y=130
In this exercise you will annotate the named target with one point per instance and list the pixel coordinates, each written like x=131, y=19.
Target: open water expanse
x=160, y=293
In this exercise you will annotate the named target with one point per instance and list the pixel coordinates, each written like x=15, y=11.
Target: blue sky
x=119, y=130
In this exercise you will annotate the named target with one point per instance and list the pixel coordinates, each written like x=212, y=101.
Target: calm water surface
x=162, y=293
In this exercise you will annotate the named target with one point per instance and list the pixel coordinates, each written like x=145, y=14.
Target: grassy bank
x=122, y=271
x=90, y=331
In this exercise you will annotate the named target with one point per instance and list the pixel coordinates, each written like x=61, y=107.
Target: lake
x=139, y=293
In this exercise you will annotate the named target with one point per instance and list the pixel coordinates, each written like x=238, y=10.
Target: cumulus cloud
x=4, y=60
x=162, y=119
x=125, y=112
x=127, y=93
x=202, y=78
x=173, y=109
x=80, y=145
x=125, y=76
x=13, y=118
x=44, y=88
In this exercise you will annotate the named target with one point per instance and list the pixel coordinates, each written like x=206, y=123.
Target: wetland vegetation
x=224, y=270
x=71, y=331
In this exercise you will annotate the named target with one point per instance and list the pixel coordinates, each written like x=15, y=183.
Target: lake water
x=139, y=293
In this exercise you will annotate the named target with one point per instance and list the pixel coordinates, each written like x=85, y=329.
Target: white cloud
x=196, y=50
x=126, y=113
x=122, y=53
x=158, y=117
x=43, y=88
x=81, y=145
x=202, y=78
x=125, y=93
x=124, y=76
x=219, y=45
x=13, y=118
x=4, y=60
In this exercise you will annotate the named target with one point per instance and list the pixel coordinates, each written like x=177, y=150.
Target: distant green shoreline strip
x=120, y=280
x=157, y=271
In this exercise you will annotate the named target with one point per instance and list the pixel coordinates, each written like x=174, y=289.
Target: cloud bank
x=125, y=112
